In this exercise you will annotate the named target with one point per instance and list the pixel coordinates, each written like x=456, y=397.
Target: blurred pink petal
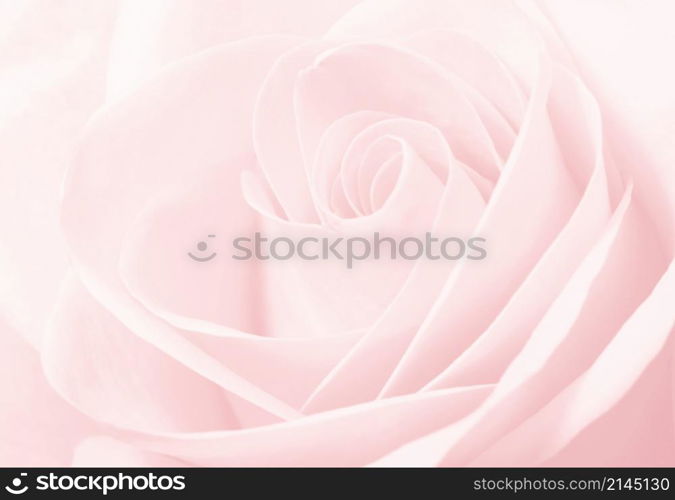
x=103, y=451
x=578, y=129
x=153, y=33
x=625, y=361
x=350, y=78
x=37, y=428
x=364, y=370
x=275, y=134
x=543, y=127
x=499, y=26
x=625, y=68
x=346, y=437
x=116, y=167
x=477, y=66
x=517, y=236
x=111, y=375
x=52, y=74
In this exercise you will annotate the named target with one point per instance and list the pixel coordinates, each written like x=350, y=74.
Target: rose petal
x=275, y=134
x=325, y=178
x=327, y=439
x=233, y=302
x=154, y=33
x=158, y=260
x=624, y=69
x=476, y=65
x=176, y=127
x=516, y=237
x=621, y=364
x=496, y=417
x=577, y=328
x=350, y=79
x=577, y=123
x=462, y=441
x=363, y=371
x=113, y=376
x=37, y=428
x=52, y=75
x=103, y=451
x=505, y=32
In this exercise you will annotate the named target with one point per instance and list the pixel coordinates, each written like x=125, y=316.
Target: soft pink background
x=131, y=130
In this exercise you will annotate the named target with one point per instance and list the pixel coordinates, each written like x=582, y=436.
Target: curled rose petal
x=349, y=78
x=489, y=355
x=624, y=361
x=474, y=293
x=364, y=370
x=85, y=343
x=327, y=438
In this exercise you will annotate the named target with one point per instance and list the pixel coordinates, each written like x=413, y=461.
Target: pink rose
x=538, y=126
